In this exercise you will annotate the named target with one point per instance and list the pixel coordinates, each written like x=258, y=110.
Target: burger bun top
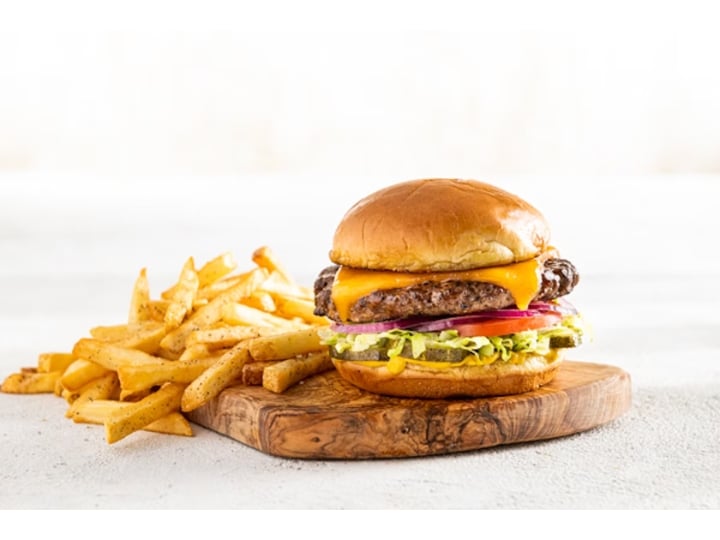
x=435, y=225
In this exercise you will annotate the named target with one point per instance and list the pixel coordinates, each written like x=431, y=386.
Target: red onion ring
x=449, y=323
x=433, y=324
x=376, y=327
x=560, y=305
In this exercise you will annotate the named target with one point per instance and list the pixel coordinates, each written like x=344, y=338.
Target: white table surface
x=647, y=249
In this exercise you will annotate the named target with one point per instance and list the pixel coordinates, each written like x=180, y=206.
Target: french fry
x=146, y=340
x=210, y=291
x=30, y=382
x=211, y=272
x=226, y=336
x=286, y=345
x=206, y=315
x=240, y=314
x=183, y=295
x=265, y=258
x=111, y=356
x=70, y=395
x=164, y=354
x=54, y=361
x=140, y=299
x=291, y=307
x=129, y=335
x=216, y=378
x=276, y=284
x=216, y=269
x=199, y=302
x=157, y=310
x=58, y=390
x=172, y=424
x=81, y=372
x=105, y=387
x=134, y=378
x=261, y=300
x=282, y=375
x=199, y=350
x=115, y=332
x=127, y=420
x=252, y=372
x=134, y=395
x=97, y=411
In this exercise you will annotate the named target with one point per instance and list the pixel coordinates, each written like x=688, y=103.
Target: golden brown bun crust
x=439, y=225
x=496, y=379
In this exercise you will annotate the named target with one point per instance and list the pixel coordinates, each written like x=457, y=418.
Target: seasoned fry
x=30, y=382
x=241, y=314
x=157, y=309
x=211, y=291
x=276, y=284
x=287, y=345
x=111, y=356
x=199, y=350
x=134, y=378
x=97, y=411
x=81, y=372
x=104, y=387
x=58, y=389
x=70, y=395
x=252, y=372
x=281, y=376
x=211, y=272
x=172, y=424
x=164, y=354
x=133, y=396
x=131, y=335
x=291, y=307
x=265, y=258
x=54, y=361
x=146, y=337
x=117, y=332
x=261, y=300
x=140, y=299
x=206, y=315
x=122, y=422
x=183, y=295
x=226, y=336
x=216, y=378
x=216, y=269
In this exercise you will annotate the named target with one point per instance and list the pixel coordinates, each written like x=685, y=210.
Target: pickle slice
x=433, y=355
x=564, y=342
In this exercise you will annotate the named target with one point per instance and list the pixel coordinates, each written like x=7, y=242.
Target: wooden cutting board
x=326, y=418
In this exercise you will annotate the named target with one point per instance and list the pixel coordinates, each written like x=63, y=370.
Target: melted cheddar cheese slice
x=521, y=279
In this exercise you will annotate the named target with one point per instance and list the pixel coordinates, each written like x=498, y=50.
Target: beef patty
x=451, y=297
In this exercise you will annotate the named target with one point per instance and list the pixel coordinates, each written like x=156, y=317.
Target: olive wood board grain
x=326, y=418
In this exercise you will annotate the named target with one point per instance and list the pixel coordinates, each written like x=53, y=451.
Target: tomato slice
x=501, y=327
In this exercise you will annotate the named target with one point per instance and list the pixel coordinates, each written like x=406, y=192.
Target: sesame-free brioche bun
x=435, y=225
x=496, y=379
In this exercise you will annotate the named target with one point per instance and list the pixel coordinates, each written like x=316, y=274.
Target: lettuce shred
x=483, y=348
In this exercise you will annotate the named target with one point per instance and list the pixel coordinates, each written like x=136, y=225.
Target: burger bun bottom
x=464, y=381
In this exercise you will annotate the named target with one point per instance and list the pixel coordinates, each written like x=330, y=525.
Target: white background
x=383, y=89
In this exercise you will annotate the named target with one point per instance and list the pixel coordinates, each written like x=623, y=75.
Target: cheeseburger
x=444, y=288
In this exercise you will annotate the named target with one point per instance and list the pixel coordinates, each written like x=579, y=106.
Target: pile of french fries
x=212, y=329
